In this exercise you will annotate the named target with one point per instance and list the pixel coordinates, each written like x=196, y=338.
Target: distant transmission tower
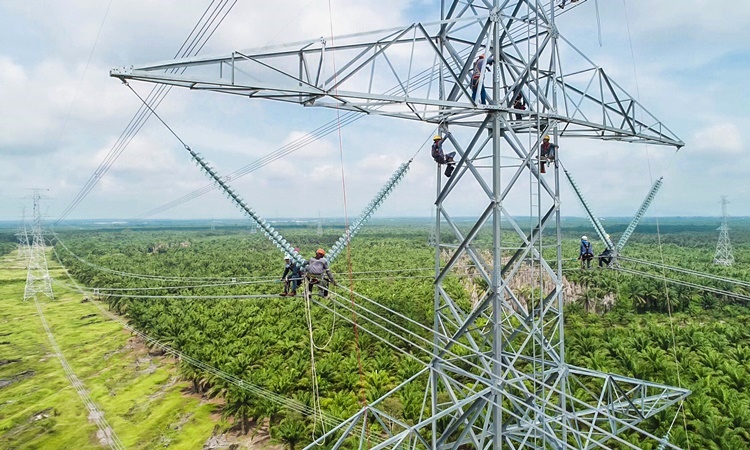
x=724, y=256
x=37, y=277
x=320, y=227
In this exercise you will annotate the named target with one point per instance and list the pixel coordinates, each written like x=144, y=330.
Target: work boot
x=292, y=294
x=283, y=294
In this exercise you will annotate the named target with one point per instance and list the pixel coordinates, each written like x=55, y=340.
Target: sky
x=61, y=113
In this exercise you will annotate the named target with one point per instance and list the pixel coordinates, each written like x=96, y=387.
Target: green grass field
x=140, y=395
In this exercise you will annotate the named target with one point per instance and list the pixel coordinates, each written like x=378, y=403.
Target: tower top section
x=424, y=71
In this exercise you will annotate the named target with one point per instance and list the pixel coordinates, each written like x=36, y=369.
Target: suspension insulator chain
x=369, y=210
x=268, y=230
x=639, y=215
x=592, y=218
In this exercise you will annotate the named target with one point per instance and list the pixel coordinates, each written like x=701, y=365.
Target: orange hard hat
x=320, y=252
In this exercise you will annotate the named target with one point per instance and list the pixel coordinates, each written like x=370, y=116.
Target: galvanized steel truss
x=497, y=376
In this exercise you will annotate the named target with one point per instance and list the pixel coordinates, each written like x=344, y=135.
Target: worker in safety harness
x=479, y=64
x=291, y=277
x=587, y=253
x=605, y=257
x=562, y=4
x=440, y=157
x=319, y=273
x=519, y=104
x=547, y=152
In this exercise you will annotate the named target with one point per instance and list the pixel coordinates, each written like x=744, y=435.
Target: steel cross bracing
x=590, y=103
x=512, y=388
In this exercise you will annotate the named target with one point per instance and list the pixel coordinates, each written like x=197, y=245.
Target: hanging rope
x=313, y=372
x=289, y=403
x=363, y=398
x=658, y=236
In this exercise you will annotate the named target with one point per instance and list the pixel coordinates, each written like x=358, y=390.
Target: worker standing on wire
x=440, y=157
x=547, y=153
x=587, y=253
x=605, y=258
x=291, y=277
x=319, y=273
x=479, y=65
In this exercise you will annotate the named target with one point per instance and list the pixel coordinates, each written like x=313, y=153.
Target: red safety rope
x=363, y=397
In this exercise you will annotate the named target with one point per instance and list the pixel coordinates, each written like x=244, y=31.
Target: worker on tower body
x=440, y=157
x=518, y=104
x=547, y=153
x=479, y=65
x=291, y=277
x=587, y=253
x=319, y=273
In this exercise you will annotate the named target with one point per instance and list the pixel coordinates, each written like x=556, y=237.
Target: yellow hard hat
x=546, y=138
x=436, y=138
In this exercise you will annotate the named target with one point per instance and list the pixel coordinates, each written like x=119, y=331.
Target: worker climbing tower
x=37, y=276
x=497, y=375
x=724, y=256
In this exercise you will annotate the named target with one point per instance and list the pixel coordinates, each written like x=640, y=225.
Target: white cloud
x=720, y=139
x=682, y=78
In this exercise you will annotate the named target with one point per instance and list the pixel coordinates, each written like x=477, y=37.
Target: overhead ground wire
x=157, y=94
x=198, y=364
x=658, y=235
x=257, y=390
x=83, y=76
x=320, y=132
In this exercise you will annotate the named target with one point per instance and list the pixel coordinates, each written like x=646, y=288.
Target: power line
x=701, y=287
x=689, y=272
x=192, y=45
x=94, y=412
x=420, y=80
x=83, y=76
x=254, y=389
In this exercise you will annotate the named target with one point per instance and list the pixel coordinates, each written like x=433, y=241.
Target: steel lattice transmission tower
x=496, y=376
x=724, y=256
x=38, y=279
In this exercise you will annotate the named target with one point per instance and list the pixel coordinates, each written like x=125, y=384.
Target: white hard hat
x=287, y=257
x=584, y=238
